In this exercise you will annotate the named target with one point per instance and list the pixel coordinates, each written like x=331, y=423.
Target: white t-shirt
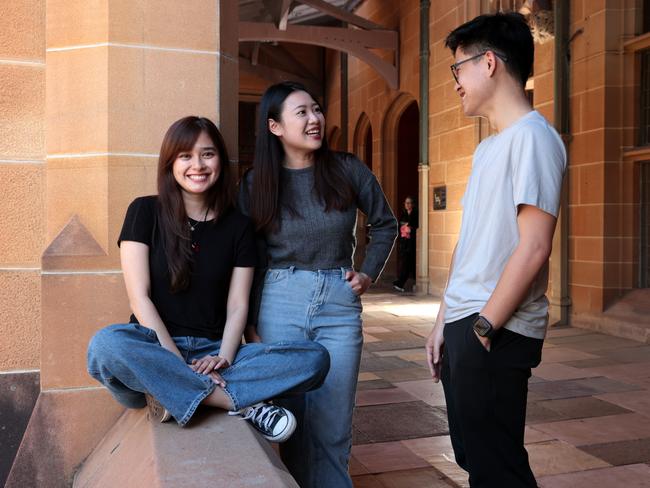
x=523, y=164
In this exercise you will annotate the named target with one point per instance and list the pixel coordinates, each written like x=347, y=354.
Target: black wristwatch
x=483, y=327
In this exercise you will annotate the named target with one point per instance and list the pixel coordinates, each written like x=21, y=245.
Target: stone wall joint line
x=131, y=46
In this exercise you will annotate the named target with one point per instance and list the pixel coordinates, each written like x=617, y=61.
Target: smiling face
x=473, y=81
x=197, y=170
x=408, y=204
x=301, y=123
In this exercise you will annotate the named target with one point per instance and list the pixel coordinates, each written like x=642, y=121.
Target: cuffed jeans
x=486, y=403
x=319, y=306
x=129, y=361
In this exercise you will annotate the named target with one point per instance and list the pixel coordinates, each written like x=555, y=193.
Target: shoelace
x=265, y=415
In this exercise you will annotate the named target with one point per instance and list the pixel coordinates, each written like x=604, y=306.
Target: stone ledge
x=633, y=329
x=213, y=450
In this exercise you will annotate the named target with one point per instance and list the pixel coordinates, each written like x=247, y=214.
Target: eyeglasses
x=454, y=67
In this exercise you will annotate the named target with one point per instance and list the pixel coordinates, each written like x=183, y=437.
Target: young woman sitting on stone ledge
x=188, y=257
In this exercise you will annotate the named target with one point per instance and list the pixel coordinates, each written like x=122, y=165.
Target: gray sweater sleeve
x=255, y=298
x=383, y=224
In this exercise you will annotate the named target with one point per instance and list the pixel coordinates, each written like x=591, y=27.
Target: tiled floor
x=588, y=415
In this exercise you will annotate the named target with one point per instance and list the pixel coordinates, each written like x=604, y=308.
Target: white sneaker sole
x=281, y=436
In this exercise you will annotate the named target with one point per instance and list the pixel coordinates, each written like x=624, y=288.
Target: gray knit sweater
x=316, y=239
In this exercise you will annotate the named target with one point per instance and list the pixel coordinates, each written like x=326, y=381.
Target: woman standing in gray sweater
x=303, y=199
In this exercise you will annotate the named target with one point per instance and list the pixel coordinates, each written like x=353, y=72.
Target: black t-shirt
x=200, y=310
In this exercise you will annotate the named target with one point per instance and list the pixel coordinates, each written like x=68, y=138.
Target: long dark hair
x=172, y=217
x=330, y=184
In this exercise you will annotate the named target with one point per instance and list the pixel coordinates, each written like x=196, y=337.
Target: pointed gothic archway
x=400, y=146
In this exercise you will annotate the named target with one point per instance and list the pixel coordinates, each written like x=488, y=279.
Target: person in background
x=408, y=225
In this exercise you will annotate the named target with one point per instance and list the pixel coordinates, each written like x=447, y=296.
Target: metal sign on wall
x=439, y=197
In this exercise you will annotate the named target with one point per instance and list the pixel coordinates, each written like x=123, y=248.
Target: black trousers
x=486, y=403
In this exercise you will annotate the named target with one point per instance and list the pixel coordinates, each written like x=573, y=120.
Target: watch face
x=481, y=327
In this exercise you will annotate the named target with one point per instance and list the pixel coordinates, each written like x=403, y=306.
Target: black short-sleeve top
x=224, y=244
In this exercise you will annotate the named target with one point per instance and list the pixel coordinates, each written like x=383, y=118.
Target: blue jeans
x=129, y=361
x=321, y=307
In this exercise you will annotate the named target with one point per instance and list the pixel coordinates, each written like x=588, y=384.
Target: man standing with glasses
x=492, y=322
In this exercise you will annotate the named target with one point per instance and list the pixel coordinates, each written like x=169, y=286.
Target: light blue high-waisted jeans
x=317, y=306
x=129, y=361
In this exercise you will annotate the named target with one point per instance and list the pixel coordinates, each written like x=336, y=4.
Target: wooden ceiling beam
x=341, y=14
x=355, y=42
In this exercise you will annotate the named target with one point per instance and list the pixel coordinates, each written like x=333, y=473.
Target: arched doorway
x=401, y=143
x=363, y=150
x=408, y=146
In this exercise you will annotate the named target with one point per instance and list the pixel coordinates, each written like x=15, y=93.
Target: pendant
x=195, y=247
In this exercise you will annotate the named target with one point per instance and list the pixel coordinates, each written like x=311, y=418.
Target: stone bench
x=213, y=450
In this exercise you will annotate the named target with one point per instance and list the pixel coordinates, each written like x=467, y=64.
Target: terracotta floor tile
x=605, y=343
x=621, y=452
x=631, y=476
x=550, y=390
x=387, y=456
x=562, y=354
x=427, y=447
x=607, y=385
x=356, y=468
x=439, y=453
x=636, y=373
x=385, y=423
x=368, y=376
x=555, y=457
x=400, y=352
x=405, y=374
x=369, y=339
x=566, y=331
x=414, y=355
x=422, y=330
x=398, y=337
x=532, y=435
x=414, y=343
x=628, y=354
x=416, y=478
x=599, y=430
x=583, y=407
x=373, y=329
x=638, y=401
x=374, y=385
x=382, y=397
x=559, y=371
x=591, y=363
x=367, y=481
x=575, y=338
x=537, y=414
x=426, y=390
x=381, y=364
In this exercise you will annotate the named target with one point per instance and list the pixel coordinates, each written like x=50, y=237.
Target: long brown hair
x=172, y=217
x=330, y=183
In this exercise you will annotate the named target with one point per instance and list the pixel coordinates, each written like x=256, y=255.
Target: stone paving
x=588, y=421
